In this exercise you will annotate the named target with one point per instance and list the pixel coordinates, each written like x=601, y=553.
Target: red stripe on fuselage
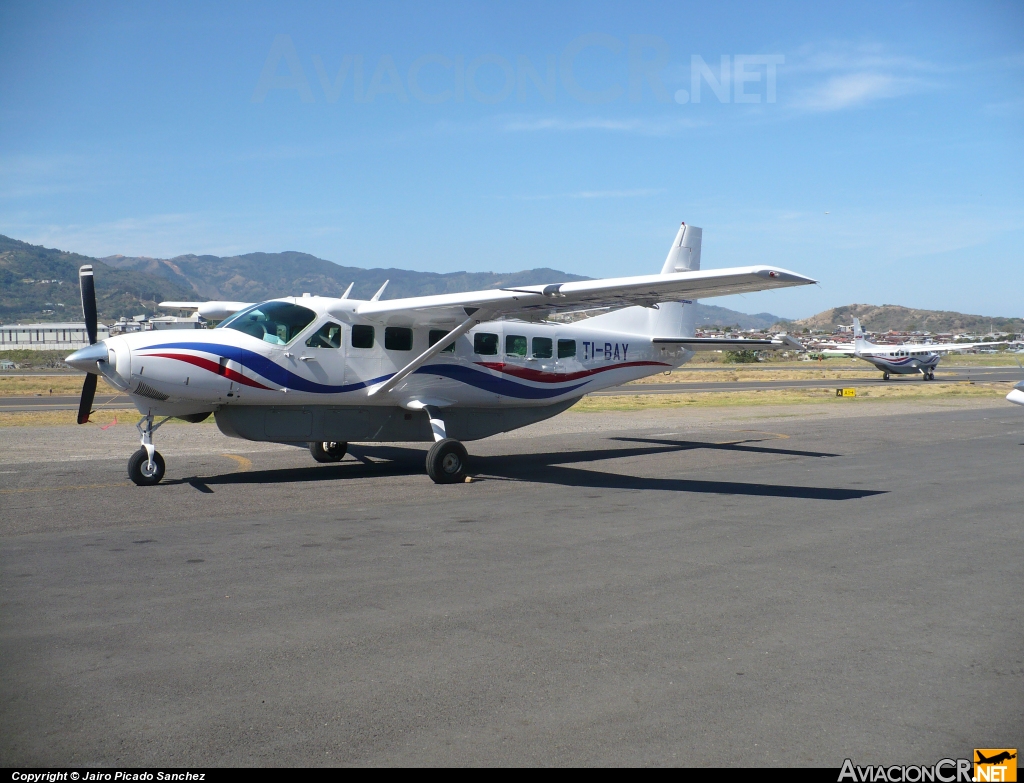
x=540, y=376
x=211, y=366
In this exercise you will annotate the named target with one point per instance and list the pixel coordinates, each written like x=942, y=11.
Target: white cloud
x=844, y=76
x=28, y=175
x=854, y=89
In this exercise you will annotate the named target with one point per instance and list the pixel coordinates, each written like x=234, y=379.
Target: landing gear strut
x=447, y=459
x=146, y=466
x=328, y=451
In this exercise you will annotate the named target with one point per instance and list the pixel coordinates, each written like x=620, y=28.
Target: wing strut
x=475, y=317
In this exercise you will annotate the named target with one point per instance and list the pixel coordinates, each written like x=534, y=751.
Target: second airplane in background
x=907, y=359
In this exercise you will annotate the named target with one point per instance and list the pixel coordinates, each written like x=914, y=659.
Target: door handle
x=307, y=358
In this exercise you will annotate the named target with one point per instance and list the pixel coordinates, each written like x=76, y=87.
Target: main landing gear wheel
x=446, y=462
x=141, y=472
x=885, y=376
x=328, y=451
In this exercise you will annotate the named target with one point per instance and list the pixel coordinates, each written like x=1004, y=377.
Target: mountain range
x=41, y=284
x=884, y=318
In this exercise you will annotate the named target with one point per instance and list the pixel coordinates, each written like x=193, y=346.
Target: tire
x=328, y=451
x=885, y=376
x=446, y=462
x=137, y=468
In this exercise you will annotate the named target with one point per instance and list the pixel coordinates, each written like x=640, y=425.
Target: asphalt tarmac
x=753, y=586
x=41, y=402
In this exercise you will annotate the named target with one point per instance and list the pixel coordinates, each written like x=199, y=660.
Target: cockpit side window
x=277, y=323
x=327, y=336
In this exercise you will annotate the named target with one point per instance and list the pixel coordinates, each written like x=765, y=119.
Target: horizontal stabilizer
x=780, y=343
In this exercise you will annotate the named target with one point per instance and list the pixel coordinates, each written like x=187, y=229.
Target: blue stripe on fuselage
x=493, y=383
x=261, y=365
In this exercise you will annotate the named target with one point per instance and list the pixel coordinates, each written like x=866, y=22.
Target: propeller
x=88, y=286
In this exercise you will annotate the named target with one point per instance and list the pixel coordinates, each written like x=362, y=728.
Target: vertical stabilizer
x=679, y=318
x=859, y=343
x=684, y=255
x=667, y=319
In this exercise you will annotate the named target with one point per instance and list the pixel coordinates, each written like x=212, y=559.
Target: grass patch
x=922, y=392
x=27, y=385
x=740, y=373
x=101, y=418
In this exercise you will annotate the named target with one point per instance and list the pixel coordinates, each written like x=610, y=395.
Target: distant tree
x=741, y=357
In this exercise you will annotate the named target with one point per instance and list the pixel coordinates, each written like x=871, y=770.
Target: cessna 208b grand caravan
x=447, y=368
x=906, y=359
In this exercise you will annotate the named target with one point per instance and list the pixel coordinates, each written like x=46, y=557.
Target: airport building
x=71, y=337
x=47, y=337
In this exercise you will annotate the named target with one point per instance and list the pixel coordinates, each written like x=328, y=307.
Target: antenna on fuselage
x=348, y=290
x=376, y=296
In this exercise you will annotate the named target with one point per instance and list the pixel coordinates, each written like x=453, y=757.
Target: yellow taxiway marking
x=55, y=489
x=776, y=435
x=244, y=463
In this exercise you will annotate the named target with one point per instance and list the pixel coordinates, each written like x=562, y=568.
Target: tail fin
x=678, y=319
x=667, y=319
x=684, y=255
x=859, y=342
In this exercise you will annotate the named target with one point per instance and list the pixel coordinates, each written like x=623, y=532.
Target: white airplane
x=1016, y=394
x=325, y=371
x=907, y=359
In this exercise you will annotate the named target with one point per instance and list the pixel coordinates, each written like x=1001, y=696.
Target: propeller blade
x=88, y=286
x=88, y=392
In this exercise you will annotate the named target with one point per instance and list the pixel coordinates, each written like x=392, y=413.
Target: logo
x=995, y=764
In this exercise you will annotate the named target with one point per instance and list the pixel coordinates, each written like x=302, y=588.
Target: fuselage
x=900, y=359
x=337, y=358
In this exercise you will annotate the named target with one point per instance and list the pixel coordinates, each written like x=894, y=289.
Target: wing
x=945, y=347
x=213, y=311
x=527, y=301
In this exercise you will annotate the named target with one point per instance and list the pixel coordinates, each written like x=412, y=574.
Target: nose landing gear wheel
x=885, y=376
x=141, y=472
x=328, y=451
x=446, y=462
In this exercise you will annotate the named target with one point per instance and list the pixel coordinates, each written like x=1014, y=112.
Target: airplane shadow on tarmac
x=544, y=468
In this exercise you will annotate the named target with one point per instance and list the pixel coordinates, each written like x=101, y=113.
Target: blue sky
x=886, y=162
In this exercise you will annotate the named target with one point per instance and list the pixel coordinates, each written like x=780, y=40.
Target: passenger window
x=438, y=334
x=398, y=338
x=362, y=336
x=327, y=336
x=515, y=345
x=485, y=344
x=542, y=347
x=566, y=349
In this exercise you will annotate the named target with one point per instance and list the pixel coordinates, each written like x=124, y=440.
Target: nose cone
x=1017, y=395
x=86, y=358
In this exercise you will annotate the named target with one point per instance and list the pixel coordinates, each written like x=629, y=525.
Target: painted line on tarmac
x=244, y=463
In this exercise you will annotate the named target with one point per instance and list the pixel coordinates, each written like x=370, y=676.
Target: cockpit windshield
x=273, y=322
